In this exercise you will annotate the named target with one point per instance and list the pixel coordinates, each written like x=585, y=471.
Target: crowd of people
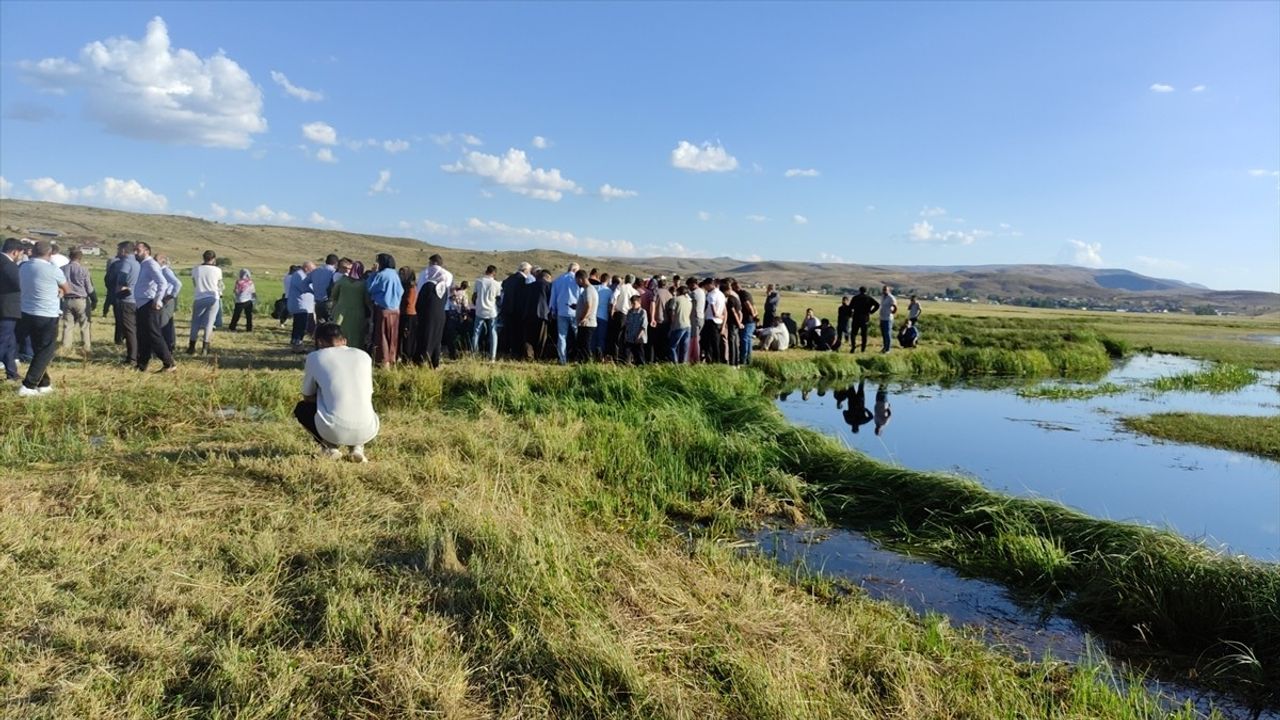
x=403, y=315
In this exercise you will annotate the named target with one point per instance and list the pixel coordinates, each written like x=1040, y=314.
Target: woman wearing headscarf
x=350, y=301
x=245, y=295
x=385, y=292
x=434, y=284
x=408, y=312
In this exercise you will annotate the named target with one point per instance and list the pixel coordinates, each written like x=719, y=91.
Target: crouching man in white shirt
x=337, y=395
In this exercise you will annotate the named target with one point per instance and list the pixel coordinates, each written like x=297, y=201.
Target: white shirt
x=486, y=291
x=207, y=280
x=622, y=298
x=59, y=260
x=341, y=378
x=775, y=338
x=441, y=277
x=715, y=306
x=887, y=302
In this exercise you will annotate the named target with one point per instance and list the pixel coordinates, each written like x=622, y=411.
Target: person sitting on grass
x=337, y=395
x=808, y=329
x=824, y=337
x=774, y=337
x=909, y=335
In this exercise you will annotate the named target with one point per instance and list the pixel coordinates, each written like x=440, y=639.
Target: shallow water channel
x=1073, y=451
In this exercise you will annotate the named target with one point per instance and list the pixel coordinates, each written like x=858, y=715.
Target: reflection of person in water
x=857, y=415
x=883, y=411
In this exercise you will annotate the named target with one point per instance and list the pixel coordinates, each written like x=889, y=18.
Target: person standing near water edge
x=337, y=395
x=207, y=280
x=888, y=306
x=861, y=308
x=844, y=321
x=771, y=301
x=150, y=292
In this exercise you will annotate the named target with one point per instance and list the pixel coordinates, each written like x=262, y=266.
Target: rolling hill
x=274, y=248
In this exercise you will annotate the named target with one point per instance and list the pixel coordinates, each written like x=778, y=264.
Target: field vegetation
x=1256, y=435
x=536, y=542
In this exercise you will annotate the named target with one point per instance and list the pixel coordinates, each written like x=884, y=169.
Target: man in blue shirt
x=301, y=300
x=321, y=281
x=564, y=303
x=385, y=292
x=149, y=294
x=43, y=286
x=124, y=277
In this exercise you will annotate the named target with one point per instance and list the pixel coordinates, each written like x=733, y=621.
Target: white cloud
x=395, y=146
x=555, y=239
x=609, y=192
x=1161, y=88
x=799, y=219
x=1200, y=88
x=326, y=155
x=1077, y=252
x=5, y=187
x=434, y=228
x=540, y=142
x=1259, y=172
x=320, y=133
x=514, y=172
x=382, y=184
x=753, y=258
x=300, y=93
x=217, y=210
x=928, y=212
x=829, y=258
x=404, y=225
x=263, y=214
x=703, y=215
x=757, y=218
x=671, y=249
x=470, y=139
x=321, y=221
x=444, y=140
x=108, y=192
x=1006, y=226
x=708, y=158
x=925, y=232
x=149, y=90
x=798, y=172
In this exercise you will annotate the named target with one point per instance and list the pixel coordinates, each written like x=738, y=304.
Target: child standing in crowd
x=637, y=331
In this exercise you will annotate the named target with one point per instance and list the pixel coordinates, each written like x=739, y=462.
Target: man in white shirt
x=717, y=309
x=888, y=306
x=586, y=318
x=486, y=307
x=337, y=395
x=207, y=279
x=57, y=258
x=775, y=337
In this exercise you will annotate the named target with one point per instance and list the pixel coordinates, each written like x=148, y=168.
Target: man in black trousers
x=149, y=294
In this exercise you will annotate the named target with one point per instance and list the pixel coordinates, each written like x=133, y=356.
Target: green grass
x=510, y=552
x=1220, y=378
x=1071, y=392
x=1254, y=435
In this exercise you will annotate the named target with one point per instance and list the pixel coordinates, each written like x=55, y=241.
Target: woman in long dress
x=350, y=302
x=433, y=288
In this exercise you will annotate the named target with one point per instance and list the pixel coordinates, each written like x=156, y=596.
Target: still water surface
x=1073, y=451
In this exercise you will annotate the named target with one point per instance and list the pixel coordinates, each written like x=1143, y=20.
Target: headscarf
x=245, y=282
x=357, y=270
x=438, y=275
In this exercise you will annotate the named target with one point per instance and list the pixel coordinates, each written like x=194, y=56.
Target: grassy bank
x=1255, y=435
x=508, y=553
x=1219, y=378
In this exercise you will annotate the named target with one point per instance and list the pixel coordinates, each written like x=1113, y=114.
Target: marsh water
x=1073, y=451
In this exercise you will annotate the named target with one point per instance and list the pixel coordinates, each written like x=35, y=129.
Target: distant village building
x=44, y=232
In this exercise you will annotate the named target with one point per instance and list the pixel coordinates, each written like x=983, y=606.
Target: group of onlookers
x=853, y=319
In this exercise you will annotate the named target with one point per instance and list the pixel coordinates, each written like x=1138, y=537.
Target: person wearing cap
x=43, y=286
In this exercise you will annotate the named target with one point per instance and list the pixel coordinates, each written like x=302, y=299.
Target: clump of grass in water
x=1221, y=378
x=1071, y=392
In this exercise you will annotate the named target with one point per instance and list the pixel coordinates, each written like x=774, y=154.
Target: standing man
x=207, y=279
x=716, y=344
x=679, y=315
x=485, y=293
x=747, y=336
x=659, y=336
x=564, y=303
x=512, y=311
x=170, y=308
x=538, y=315
x=587, y=307
x=771, y=300
x=42, y=287
x=301, y=300
x=337, y=395
x=385, y=292
x=149, y=293
x=860, y=310
x=888, y=306
x=79, y=288
x=57, y=258
x=697, y=318
x=10, y=306
x=321, y=280
x=617, y=321
x=126, y=277
x=844, y=321
x=604, y=308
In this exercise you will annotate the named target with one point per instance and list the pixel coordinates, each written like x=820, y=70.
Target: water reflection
x=857, y=414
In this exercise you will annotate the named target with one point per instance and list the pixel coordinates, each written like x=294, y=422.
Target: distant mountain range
x=274, y=248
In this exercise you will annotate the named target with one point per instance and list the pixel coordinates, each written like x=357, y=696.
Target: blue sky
x=1142, y=135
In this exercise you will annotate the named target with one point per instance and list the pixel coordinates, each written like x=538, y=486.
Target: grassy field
x=170, y=547
x=1255, y=435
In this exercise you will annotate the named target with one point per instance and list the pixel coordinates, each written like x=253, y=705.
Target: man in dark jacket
x=538, y=314
x=10, y=306
x=844, y=318
x=512, y=311
x=861, y=307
